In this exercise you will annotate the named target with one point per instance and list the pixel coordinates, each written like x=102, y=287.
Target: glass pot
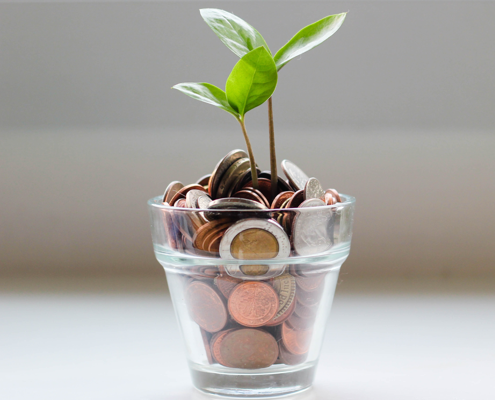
x=252, y=290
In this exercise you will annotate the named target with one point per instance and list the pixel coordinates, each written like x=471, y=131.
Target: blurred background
x=396, y=109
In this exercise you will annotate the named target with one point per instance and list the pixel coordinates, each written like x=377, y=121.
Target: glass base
x=274, y=382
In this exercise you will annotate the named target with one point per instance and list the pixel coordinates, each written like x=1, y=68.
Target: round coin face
x=206, y=307
x=248, y=349
x=226, y=284
x=311, y=231
x=296, y=342
x=222, y=167
x=253, y=304
x=313, y=189
x=255, y=239
x=297, y=178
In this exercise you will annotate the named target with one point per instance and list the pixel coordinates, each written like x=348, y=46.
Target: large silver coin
x=222, y=167
x=231, y=177
x=312, y=229
x=313, y=190
x=203, y=201
x=171, y=190
x=297, y=178
x=235, y=203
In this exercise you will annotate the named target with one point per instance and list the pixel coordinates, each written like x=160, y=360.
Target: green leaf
x=207, y=93
x=308, y=38
x=235, y=33
x=252, y=81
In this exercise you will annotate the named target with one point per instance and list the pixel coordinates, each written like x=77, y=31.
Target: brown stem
x=273, y=156
x=254, y=173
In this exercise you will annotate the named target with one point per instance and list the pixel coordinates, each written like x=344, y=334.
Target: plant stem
x=273, y=156
x=254, y=173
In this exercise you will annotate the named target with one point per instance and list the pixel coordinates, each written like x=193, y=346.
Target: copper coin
x=305, y=311
x=296, y=200
x=223, y=165
x=288, y=358
x=181, y=203
x=213, y=234
x=248, y=349
x=199, y=236
x=214, y=245
x=245, y=178
x=310, y=283
x=296, y=342
x=204, y=180
x=335, y=194
x=264, y=186
x=206, y=307
x=171, y=190
x=248, y=194
x=253, y=303
x=285, y=287
x=183, y=192
x=260, y=195
x=300, y=324
x=309, y=299
x=281, y=199
x=215, y=342
x=226, y=284
x=206, y=341
x=329, y=199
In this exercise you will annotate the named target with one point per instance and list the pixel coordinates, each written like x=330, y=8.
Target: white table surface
x=390, y=340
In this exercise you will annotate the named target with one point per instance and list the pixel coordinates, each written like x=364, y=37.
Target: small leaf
x=235, y=33
x=207, y=93
x=252, y=81
x=308, y=38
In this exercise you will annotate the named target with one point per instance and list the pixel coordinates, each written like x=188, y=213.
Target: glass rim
x=157, y=202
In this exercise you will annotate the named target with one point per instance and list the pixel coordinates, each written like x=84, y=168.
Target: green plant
x=254, y=78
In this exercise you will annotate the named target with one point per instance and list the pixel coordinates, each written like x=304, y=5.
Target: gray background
x=396, y=109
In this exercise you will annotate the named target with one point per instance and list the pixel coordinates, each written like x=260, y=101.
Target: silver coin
x=312, y=231
x=297, y=178
x=231, y=177
x=235, y=203
x=313, y=189
x=222, y=167
x=192, y=198
x=269, y=226
x=171, y=190
x=203, y=201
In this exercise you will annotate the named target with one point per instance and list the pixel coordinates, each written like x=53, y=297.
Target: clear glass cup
x=252, y=290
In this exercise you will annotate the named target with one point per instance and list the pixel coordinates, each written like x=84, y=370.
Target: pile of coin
x=254, y=324
x=227, y=198
x=252, y=315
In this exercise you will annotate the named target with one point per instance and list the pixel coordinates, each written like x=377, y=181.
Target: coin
x=193, y=196
x=223, y=165
x=264, y=186
x=288, y=358
x=309, y=299
x=170, y=191
x=311, y=231
x=253, y=303
x=296, y=200
x=300, y=324
x=248, y=194
x=230, y=178
x=226, y=284
x=265, y=239
x=235, y=203
x=297, y=178
x=254, y=270
x=310, y=283
x=206, y=307
x=245, y=178
x=285, y=286
x=280, y=199
x=206, y=341
x=199, y=236
x=296, y=342
x=212, y=235
x=329, y=199
x=248, y=349
x=215, y=342
x=204, y=180
x=181, y=193
x=304, y=311
x=335, y=194
x=313, y=189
